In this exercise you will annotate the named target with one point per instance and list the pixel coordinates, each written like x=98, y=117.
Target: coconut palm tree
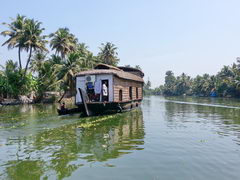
x=68, y=70
x=37, y=61
x=16, y=35
x=226, y=71
x=108, y=54
x=90, y=61
x=33, y=39
x=63, y=42
x=47, y=78
x=25, y=34
x=82, y=48
x=55, y=59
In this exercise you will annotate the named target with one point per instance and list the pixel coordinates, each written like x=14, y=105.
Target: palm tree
x=82, y=48
x=10, y=66
x=37, y=61
x=33, y=39
x=68, y=70
x=47, y=78
x=90, y=61
x=16, y=35
x=25, y=34
x=63, y=42
x=55, y=59
x=108, y=54
x=170, y=81
x=226, y=72
x=12, y=86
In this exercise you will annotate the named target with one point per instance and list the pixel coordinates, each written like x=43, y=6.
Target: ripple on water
x=168, y=138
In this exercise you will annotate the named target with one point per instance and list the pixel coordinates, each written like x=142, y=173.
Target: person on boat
x=63, y=106
x=104, y=92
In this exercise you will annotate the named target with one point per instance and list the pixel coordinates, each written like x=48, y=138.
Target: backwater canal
x=167, y=138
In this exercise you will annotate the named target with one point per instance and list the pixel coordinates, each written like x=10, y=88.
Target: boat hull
x=68, y=111
x=98, y=108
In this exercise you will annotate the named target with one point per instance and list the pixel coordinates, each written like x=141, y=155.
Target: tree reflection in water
x=59, y=151
x=225, y=119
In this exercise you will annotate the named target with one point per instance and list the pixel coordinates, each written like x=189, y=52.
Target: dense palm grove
x=53, y=69
x=226, y=83
x=46, y=70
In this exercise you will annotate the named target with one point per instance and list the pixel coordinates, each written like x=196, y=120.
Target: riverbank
x=20, y=100
x=26, y=100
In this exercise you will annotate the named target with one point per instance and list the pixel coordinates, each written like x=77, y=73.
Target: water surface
x=167, y=138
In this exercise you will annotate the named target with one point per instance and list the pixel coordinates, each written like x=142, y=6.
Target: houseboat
x=108, y=89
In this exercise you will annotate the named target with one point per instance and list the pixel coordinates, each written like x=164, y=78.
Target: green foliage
x=225, y=83
x=147, y=88
x=169, y=83
x=15, y=32
x=25, y=34
x=49, y=72
x=63, y=42
x=158, y=90
x=47, y=79
x=12, y=83
x=108, y=54
x=56, y=73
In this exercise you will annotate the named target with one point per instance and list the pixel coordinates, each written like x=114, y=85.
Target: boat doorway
x=105, y=90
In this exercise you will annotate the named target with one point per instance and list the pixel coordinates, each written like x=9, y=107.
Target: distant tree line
x=226, y=83
x=46, y=69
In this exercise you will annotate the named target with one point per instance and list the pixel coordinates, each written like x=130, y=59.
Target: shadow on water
x=57, y=152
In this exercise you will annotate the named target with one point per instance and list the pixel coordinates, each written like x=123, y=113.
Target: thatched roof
x=131, y=69
x=107, y=69
x=106, y=66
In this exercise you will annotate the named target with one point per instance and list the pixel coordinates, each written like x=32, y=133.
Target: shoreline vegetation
x=53, y=60
x=226, y=83
x=51, y=64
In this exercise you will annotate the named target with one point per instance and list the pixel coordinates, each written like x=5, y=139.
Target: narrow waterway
x=167, y=138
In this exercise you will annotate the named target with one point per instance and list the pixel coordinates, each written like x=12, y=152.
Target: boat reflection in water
x=57, y=152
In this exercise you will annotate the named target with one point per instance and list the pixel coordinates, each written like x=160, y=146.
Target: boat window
x=136, y=92
x=120, y=95
x=130, y=93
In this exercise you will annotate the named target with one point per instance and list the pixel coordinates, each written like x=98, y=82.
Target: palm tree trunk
x=19, y=58
x=62, y=96
x=29, y=58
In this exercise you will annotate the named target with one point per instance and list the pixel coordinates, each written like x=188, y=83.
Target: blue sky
x=191, y=36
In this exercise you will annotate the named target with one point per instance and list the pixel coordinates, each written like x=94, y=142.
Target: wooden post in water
x=84, y=102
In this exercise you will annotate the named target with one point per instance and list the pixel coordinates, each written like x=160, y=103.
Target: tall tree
x=89, y=61
x=67, y=72
x=108, y=54
x=16, y=35
x=169, y=85
x=82, y=48
x=33, y=39
x=63, y=42
x=37, y=61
